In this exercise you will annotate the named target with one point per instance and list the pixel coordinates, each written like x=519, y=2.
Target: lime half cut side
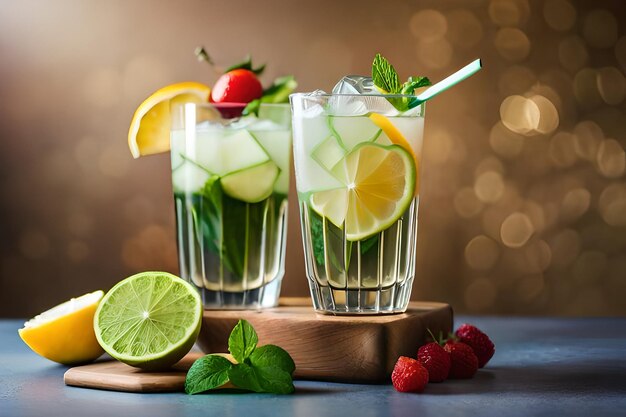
x=379, y=182
x=149, y=320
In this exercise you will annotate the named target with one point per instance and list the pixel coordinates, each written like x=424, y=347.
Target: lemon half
x=65, y=334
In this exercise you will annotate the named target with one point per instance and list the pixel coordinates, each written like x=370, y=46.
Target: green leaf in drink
x=386, y=79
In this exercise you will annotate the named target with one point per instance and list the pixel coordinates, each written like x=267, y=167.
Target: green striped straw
x=467, y=71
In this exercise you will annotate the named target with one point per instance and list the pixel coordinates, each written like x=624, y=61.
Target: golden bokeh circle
x=548, y=115
x=466, y=203
x=611, y=159
x=611, y=85
x=516, y=230
x=508, y=12
x=559, y=14
x=505, y=142
x=600, y=28
x=489, y=187
x=519, y=114
x=586, y=88
x=481, y=253
x=575, y=203
x=435, y=54
x=428, y=25
x=464, y=30
x=612, y=204
x=587, y=138
x=512, y=44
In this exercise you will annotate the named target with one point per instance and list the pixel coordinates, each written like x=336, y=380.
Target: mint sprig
x=386, y=79
x=267, y=368
x=278, y=92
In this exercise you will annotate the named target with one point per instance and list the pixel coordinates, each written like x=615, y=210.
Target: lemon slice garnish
x=379, y=182
x=149, y=131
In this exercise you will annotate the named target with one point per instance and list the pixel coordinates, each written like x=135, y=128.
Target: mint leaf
x=206, y=373
x=247, y=65
x=244, y=376
x=414, y=83
x=261, y=379
x=242, y=341
x=385, y=76
x=278, y=92
x=272, y=356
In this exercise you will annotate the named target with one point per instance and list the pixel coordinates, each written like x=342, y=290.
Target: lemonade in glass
x=357, y=160
x=231, y=179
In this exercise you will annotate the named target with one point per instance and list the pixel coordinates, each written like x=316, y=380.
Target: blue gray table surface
x=542, y=367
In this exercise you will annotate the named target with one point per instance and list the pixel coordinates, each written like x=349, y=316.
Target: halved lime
x=149, y=320
x=252, y=184
x=379, y=182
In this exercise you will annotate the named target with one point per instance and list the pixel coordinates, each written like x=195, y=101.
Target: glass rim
x=327, y=95
x=207, y=104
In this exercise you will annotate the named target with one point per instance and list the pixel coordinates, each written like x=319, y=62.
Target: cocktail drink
x=357, y=160
x=231, y=180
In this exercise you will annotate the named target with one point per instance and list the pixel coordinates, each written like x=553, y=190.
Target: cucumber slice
x=352, y=130
x=222, y=151
x=252, y=184
x=277, y=144
x=189, y=177
x=328, y=153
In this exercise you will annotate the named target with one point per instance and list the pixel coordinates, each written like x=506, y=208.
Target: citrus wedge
x=396, y=137
x=149, y=131
x=64, y=334
x=149, y=320
x=379, y=182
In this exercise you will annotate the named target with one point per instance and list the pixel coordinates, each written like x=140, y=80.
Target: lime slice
x=379, y=182
x=252, y=184
x=149, y=320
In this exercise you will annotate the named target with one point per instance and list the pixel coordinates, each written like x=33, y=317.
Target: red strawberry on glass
x=480, y=343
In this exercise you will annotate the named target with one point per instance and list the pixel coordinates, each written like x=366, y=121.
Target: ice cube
x=355, y=84
x=346, y=106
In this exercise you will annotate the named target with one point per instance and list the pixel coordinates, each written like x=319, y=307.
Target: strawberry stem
x=203, y=55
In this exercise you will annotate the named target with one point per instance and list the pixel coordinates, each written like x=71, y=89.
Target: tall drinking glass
x=231, y=180
x=357, y=173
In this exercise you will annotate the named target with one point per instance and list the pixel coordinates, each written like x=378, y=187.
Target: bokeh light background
x=523, y=205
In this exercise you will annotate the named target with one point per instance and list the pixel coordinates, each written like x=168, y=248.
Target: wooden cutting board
x=358, y=349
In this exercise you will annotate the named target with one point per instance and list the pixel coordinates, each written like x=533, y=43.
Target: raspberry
x=464, y=362
x=436, y=360
x=409, y=375
x=479, y=342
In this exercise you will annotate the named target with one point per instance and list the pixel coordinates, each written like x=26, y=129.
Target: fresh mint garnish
x=386, y=79
x=385, y=76
x=267, y=368
x=247, y=65
x=207, y=373
x=278, y=92
x=242, y=341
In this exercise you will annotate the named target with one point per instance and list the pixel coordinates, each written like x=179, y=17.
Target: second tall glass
x=357, y=173
x=231, y=180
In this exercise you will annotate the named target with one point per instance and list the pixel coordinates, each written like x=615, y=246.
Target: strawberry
x=464, y=362
x=236, y=86
x=479, y=342
x=436, y=360
x=409, y=375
